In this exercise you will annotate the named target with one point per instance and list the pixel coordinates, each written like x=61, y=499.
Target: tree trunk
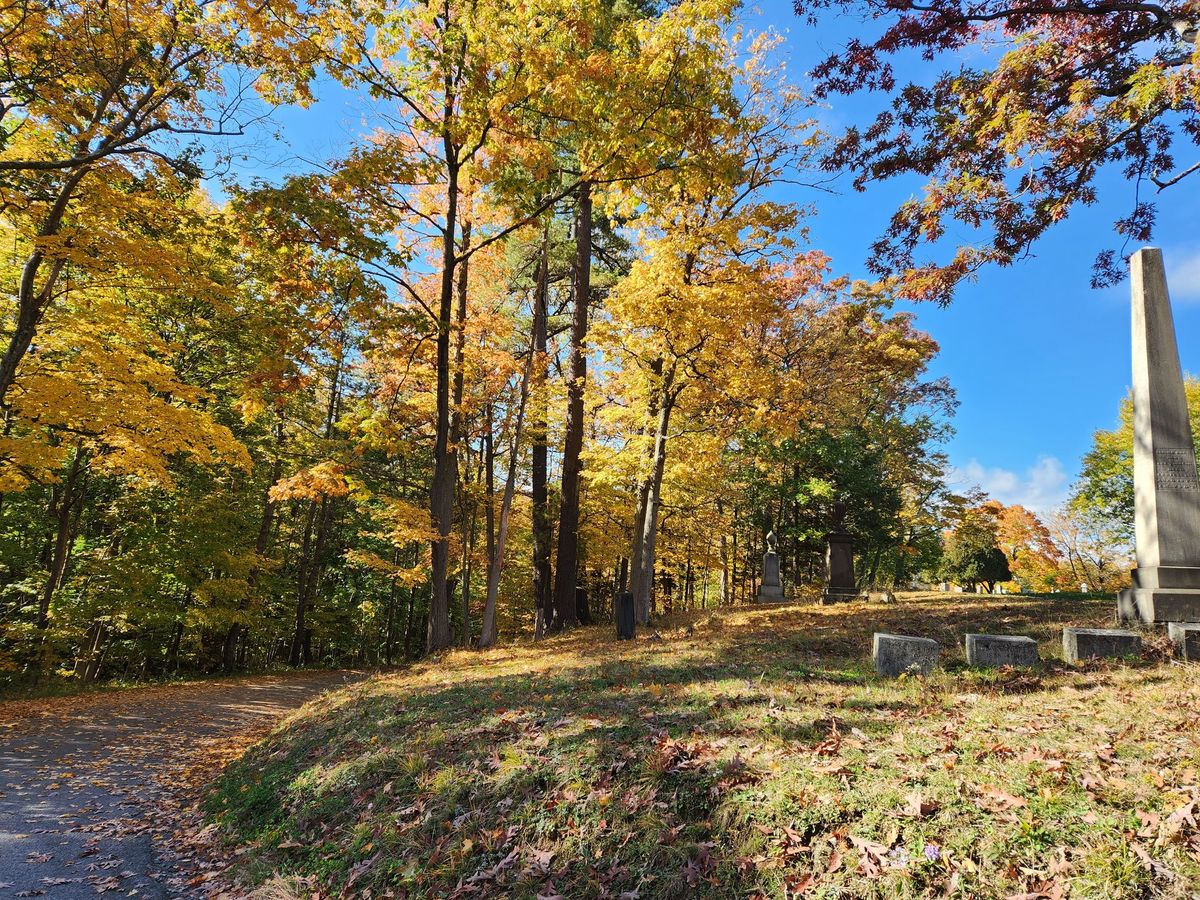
x=565, y=571
x=296, y=654
x=62, y=536
x=445, y=456
x=310, y=550
x=408, y=622
x=389, y=643
x=733, y=559
x=643, y=500
x=32, y=301
x=238, y=629
x=173, y=653
x=468, y=542
x=462, y=283
x=542, y=587
x=487, y=633
x=489, y=464
x=94, y=653
x=687, y=578
x=316, y=567
x=649, y=536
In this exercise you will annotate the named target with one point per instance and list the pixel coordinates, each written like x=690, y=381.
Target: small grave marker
x=995, y=650
x=1099, y=643
x=898, y=654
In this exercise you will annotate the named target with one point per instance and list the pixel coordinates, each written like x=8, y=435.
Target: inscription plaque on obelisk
x=1166, y=582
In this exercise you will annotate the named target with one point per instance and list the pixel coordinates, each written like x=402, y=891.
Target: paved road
x=81, y=779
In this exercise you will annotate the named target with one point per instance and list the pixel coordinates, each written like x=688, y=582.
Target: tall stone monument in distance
x=771, y=589
x=1166, y=582
x=839, y=560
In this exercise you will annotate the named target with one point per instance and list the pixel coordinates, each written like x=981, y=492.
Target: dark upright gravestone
x=625, y=616
x=771, y=589
x=839, y=560
x=581, y=606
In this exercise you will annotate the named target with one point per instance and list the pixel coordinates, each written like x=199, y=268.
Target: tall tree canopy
x=546, y=329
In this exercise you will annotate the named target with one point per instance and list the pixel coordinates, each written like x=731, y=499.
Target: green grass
x=751, y=752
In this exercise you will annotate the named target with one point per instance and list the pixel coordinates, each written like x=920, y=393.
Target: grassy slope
x=754, y=754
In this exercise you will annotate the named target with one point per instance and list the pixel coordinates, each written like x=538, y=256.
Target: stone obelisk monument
x=1166, y=582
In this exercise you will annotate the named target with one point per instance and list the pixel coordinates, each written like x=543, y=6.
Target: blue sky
x=1038, y=358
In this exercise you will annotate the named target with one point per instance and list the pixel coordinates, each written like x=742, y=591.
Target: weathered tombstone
x=1097, y=643
x=995, y=650
x=582, y=609
x=881, y=597
x=898, y=654
x=1166, y=582
x=771, y=589
x=839, y=560
x=1186, y=638
x=625, y=616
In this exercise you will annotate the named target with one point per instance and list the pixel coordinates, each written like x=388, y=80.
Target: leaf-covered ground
x=750, y=752
x=97, y=791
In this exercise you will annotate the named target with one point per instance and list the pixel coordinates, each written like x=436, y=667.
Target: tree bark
x=389, y=642
x=649, y=536
x=261, y=543
x=461, y=285
x=643, y=501
x=445, y=457
x=565, y=571
x=542, y=587
x=311, y=551
x=94, y=653
x=489, y=463
x=467, y=569
x=487, y=634
x=62, y=536
x=296, y=653
x=32, y=301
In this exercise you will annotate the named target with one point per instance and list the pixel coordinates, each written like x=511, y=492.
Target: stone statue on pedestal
x=839, y=560
x=1166, y=582
x=771, y=589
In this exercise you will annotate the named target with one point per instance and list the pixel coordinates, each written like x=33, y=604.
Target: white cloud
x=1183, y=275
x=1041, y=488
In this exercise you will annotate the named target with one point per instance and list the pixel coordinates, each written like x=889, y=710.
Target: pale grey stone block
x=1093, y=643
x=895, y=654
x=995, y=650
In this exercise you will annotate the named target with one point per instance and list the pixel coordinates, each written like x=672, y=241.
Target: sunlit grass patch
x=754, y=754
